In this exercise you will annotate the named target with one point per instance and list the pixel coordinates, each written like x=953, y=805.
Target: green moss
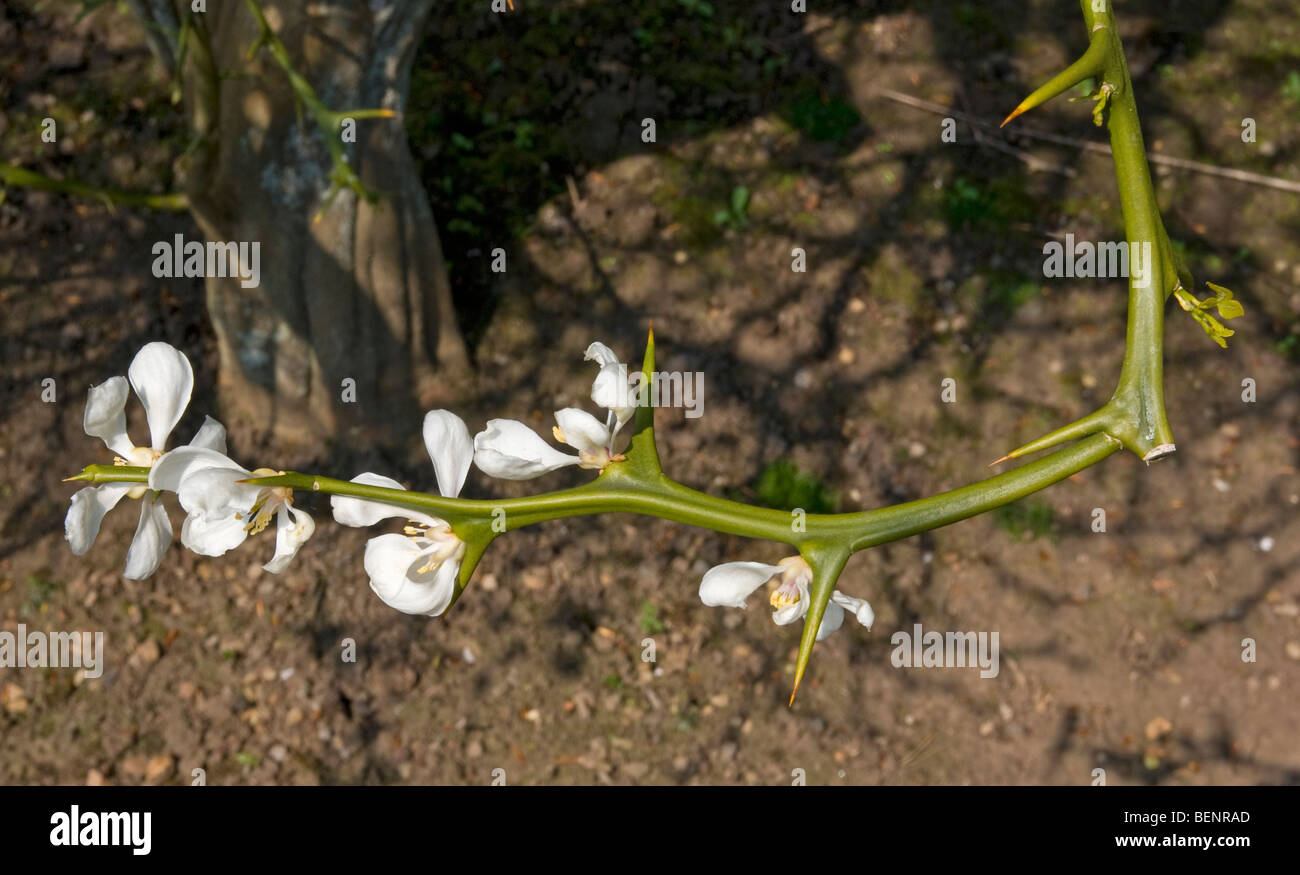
x=991, y=204
x=783, y=486
x=650, y=622
x=822, y=119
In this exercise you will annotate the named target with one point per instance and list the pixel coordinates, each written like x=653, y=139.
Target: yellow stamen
x=783, y=598
x=428, y=566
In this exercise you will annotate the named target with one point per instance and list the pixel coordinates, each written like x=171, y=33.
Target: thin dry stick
x=1101, y=148
x=1033, y=162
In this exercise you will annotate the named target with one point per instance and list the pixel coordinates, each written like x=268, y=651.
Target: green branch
x=1135, y=413
x=11, y=174
x=327, y=120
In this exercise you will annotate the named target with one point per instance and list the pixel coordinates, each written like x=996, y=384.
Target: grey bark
x=362, y=294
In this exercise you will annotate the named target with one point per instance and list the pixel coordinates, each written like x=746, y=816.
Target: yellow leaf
x=1231, y=309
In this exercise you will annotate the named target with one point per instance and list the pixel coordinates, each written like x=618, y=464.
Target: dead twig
x=1033, y=162
x=1101, y=148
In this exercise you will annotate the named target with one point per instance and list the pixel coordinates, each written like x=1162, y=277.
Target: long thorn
x=1090, y=424
x=1091, y=64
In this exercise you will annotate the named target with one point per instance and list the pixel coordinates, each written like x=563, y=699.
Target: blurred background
x=523, y=131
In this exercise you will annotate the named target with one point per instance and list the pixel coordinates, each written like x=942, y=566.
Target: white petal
x=105, y=416
x=163, y=380
x=216, y=492
x=292, y=529
x=392, y=561
x=731, y=583
x=784, y=616
x=89, y=505
x=858, y=607
x=358, y=511
x=831, y=620
x=212, y=537
x=210, y=436
x=171, y=468
x=152, y=538
x=612, y=390
x=582, y=431
x=447, y=439
x=512, y=451
x=601, y=354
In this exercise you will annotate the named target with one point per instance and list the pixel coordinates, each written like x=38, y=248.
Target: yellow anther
x=260, y=517
x=783, y=597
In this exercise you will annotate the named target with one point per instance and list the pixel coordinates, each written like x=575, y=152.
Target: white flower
x=510, y=450
x=612, y=389
x=163, y=381
x=222, y=512
x=732, y=583
x=415, y=572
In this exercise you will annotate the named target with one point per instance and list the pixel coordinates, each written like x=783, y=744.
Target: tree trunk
x=359, y=295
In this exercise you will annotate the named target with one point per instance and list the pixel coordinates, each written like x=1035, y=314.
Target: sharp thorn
x=1015, y=112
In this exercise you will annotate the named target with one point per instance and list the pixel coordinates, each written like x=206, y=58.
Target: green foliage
x=1008, y=291
x=691, y=195
x=503, y=114
x=966, y=203
x=1027, y=518
x=735, y=214
x=820, y=119
x=650, y=622
x=1291, y=87
x=40, y=587
x=782, y=485
x=990, y=205
x=702, y=8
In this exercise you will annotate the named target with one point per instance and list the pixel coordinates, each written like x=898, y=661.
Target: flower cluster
x=414, y=571
x=221, y=511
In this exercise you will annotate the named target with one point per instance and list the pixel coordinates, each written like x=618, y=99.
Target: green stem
x=1139, y=398
x=327, y=120
x=11, y=174
x=1135, y=413
x=618, y=490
